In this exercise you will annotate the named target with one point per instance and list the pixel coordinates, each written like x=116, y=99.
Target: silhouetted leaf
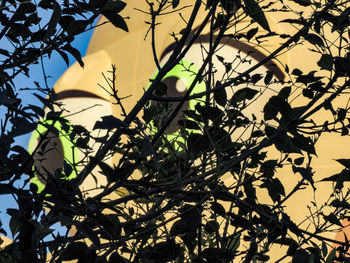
x=113, y=6
x=218, y=21
x=77, y=26
x=314, y=39
x=303, y=2
x=220, y=97
x=326, y=62
x=297, y=72
x=55, y=18
x=244, y=94
x=331, y=256
x=255, y=12
x=175, y=3
x=268, y=77
x=344, y=162
x=116, y=258
x=108, y=123
x=300, y=256
x=252, y=32
x=332, y=218
x=75, y=53
x=218, y=209
x=74, y=250
x=116, y=19
x=179, y=227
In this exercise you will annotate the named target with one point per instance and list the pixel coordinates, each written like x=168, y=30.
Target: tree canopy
x=226, y=141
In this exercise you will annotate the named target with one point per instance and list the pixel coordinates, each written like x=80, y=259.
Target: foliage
x=198, y=198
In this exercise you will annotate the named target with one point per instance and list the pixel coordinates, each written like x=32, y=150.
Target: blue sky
x=54, y=68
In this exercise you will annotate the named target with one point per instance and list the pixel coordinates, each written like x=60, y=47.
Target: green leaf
x=116, y=19
x=324, y=249
x=208, y=112
x=306, y=173
x=255, y=12
x=340, y=178
x=331, y=256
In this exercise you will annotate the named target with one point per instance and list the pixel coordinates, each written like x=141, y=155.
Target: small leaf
x=108, y=123
x=332, y=218
x=314, y=39
x=326, y=62
x=331, y=256
x=285, y=92
x=218, y=21
x=73, y=251
x=299, y=161
x=342, y=204
x=55, y=18
x=303, y=2
x=76, y=27
x=107, y=171
x=218, y=209
x=220, y=96
x=268, y=77
x=211, y=226
x=344, y=162
x=116, y=19
x=75, y=53
x=251, y=33
x=175, y=3
x=297, y=72
x=179, y=227
x=116, y=258
x=300, y=256
x=114, y=6
x=255, y=12
x=244, y=94
x=324, y=249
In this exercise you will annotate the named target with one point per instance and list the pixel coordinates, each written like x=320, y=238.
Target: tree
x=215, y=172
